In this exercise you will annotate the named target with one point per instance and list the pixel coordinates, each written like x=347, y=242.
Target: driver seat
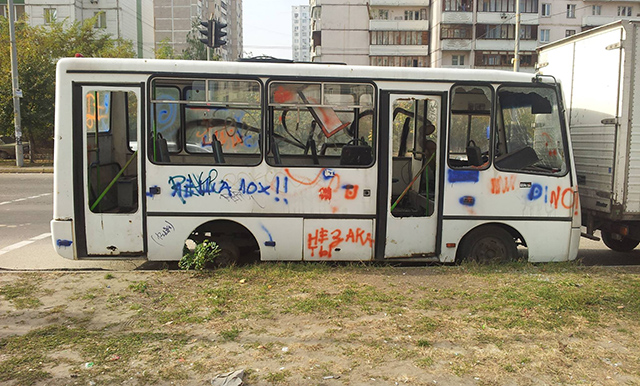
x=474, y=154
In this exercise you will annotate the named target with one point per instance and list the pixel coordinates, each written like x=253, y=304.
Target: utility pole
x=16, y=88
x=516, y=55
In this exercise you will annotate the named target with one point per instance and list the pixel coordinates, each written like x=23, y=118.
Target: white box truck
x=599, y=70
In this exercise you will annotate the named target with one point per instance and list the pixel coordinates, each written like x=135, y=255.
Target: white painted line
x=15, y=246
x=24, y=199
x=24, y=243
x=40, y=237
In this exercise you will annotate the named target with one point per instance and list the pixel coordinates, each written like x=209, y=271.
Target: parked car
x=8, y=147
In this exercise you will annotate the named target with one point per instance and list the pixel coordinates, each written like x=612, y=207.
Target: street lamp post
x=516, y=54
x=16, y=88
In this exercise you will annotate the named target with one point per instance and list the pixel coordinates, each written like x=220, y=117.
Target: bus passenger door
x=111, y=120
x=412, y=215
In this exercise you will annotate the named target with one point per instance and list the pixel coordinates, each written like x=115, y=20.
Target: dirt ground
x=314, y=324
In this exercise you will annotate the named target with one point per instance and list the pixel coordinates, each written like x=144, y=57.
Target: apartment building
x=230, y=13
x=451, y=33
x=300, y=33
x=340, y=31
x=131, y=20
x=559, y=19
x=175, y=19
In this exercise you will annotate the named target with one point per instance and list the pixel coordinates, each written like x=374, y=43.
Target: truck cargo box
x=599, y=71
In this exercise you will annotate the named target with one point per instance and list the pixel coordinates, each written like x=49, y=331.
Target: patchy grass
x=22, y=294
x=295, y=323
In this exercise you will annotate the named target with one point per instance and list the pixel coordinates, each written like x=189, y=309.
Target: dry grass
x=296, y=324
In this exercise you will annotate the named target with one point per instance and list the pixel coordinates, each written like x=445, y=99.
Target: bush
x=205, y=252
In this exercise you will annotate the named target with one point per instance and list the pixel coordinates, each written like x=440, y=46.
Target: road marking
x=23, y=243
x=24, y=199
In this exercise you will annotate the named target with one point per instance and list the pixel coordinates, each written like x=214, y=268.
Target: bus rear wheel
x=488, y=244
x=623, y=245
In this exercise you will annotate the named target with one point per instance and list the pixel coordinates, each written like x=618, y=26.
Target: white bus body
x=310, y=162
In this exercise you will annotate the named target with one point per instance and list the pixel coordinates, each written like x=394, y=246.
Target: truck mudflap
x=62, y=237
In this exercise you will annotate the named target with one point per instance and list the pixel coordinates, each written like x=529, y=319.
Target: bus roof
x=168, y=66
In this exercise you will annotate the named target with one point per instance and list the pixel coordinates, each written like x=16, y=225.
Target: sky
x=267, y=27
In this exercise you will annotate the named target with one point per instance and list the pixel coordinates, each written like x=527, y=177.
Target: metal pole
x=16, y=88
x=516, y=55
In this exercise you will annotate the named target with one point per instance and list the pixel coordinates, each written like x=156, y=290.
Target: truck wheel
x=4, y=155
x=624, y=245
x=488, y=244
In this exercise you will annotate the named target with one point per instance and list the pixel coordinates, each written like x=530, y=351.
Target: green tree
x=39, y=49
x=165, y=51
x=196, y=50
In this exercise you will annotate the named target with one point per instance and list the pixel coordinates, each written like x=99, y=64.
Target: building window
x=569, y=32
x=456, y=31
x=18, y=11
x=571, y=11
x=50, y=15
x=504, y=59
x=401, y=38
x=412, y=15
x=101, y=19
x=458, y=5
x=383, y=14
x=526, y=6
x=624, y=11
x=506, y=31
x=544, y=35
x=457, y=60
x=546, y=9
x=398, y=61
x=596, y=10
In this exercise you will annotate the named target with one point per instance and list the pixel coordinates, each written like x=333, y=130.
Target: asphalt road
x=26, y=204
x=26, y=208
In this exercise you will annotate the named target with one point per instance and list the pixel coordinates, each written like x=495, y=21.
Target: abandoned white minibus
x=310, y=162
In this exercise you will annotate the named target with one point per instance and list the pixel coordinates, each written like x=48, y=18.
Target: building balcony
x=505, y=45
x=507, y=18
x=457, y=17
x=592, y=21
x=397, y=3
x=456, y=44
x=398, y=50
x=398, y=25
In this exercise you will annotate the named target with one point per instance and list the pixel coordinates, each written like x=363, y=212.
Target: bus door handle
x=153, y=190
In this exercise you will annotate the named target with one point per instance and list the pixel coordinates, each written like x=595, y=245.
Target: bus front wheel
x=623, y=245
x=488, y=244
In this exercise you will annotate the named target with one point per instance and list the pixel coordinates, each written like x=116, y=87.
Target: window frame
x=561, y=121
x=270, y=108
x=180, y=82
x=492, y=113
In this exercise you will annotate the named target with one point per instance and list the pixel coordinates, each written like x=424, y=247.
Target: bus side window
x=470, y=129
x=320, y=124
x=207, y=121
x=530, y=131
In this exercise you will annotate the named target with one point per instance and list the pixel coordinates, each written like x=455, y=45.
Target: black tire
x=488, y=244
x=624, y=245
x=4, y=155
x=229, y=254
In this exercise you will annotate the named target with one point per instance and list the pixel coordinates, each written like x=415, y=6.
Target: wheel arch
x=224, y=231
x=508, y=228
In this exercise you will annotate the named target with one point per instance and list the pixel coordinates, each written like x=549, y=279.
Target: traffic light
x=219, y=34
x=207, y=32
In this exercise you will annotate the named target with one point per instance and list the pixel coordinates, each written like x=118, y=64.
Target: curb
x=26, y=169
